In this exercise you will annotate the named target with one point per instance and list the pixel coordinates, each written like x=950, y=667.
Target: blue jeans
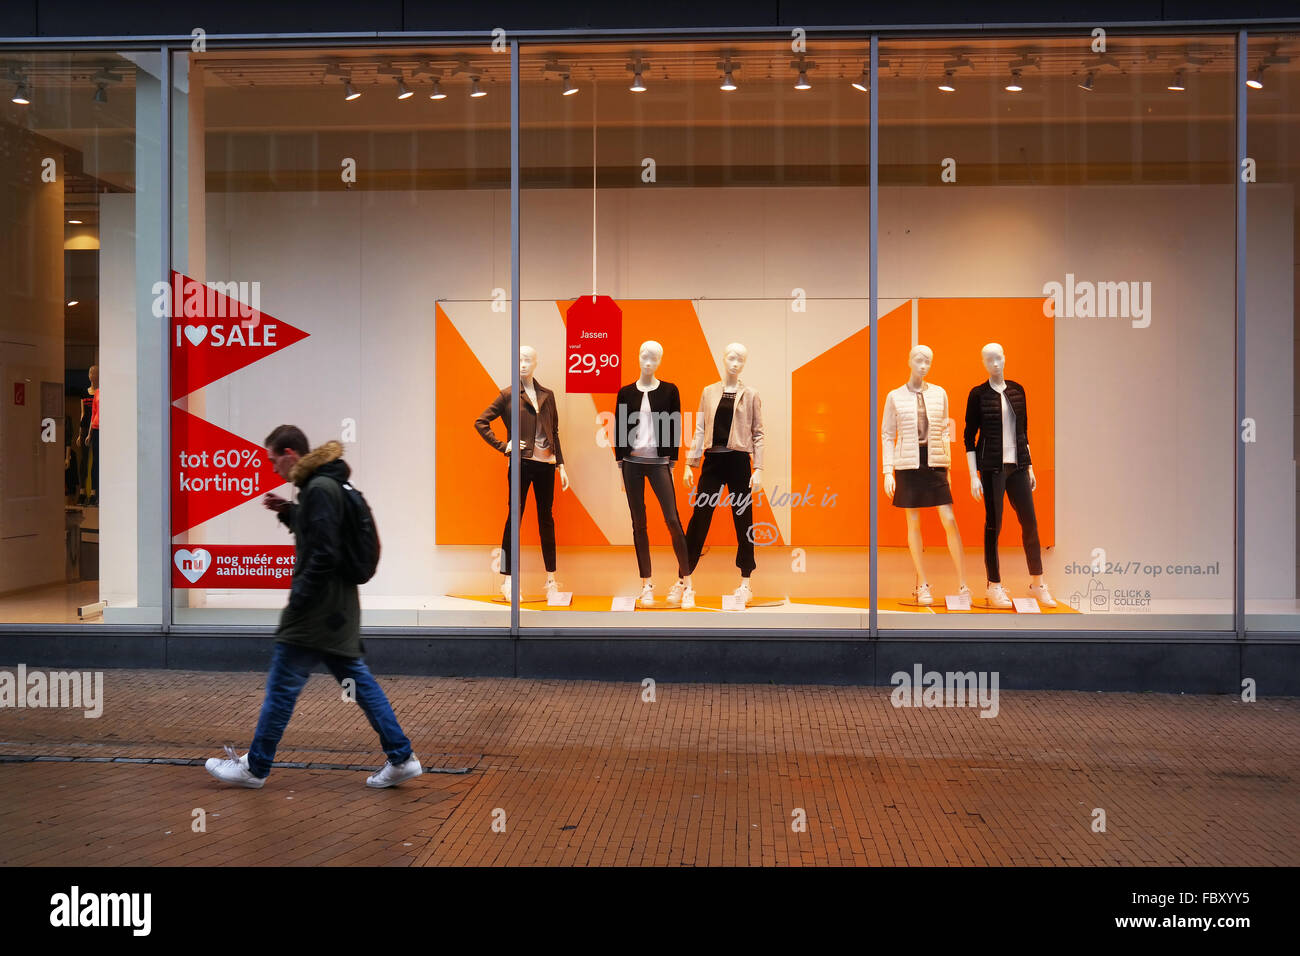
x=290, y=667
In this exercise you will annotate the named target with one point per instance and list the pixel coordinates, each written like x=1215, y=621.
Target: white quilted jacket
x=900, y=451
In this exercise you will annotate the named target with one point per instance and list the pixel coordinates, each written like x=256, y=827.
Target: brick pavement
x=587, y=773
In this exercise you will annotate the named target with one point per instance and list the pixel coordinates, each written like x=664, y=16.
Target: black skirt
x=923, y=487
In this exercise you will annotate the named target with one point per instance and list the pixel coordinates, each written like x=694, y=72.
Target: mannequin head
x=995, y=360
x=527, y=362
x=649, y=356
x=919, y=360
x=94, y=377
x=734, y=357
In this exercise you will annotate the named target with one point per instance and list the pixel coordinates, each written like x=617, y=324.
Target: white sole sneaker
x=234, y=772
x=390, y=775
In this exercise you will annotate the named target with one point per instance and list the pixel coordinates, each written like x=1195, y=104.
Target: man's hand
x=275, y=502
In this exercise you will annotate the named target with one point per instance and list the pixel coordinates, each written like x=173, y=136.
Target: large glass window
x=1271, y=430
x=341, y=249
x=694, y=283
x=79, y=249
x=1056, y=226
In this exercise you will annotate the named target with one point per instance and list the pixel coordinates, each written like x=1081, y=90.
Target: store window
x=79, y=214
x=1270, y=430
x=1056, y=227
x=693, y=263
x=340, y=243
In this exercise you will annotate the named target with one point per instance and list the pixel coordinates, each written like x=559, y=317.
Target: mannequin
x=647, y=441
x=728, y=428
x=89, y=437
x=916, y=458
x=540, y=457
x=999, y=465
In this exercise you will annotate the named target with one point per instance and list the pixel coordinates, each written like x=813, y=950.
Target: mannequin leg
x=1022, y=502
x=914, y=544
x=954, y=541
x=661, y=483
x=544, y=492
x=697, y=531
x=525, y=479
x=994, y=488
x=94, y=465
x=634, y=486
x=742, y=511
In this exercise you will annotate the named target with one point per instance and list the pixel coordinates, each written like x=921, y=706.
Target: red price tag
x=594, y=334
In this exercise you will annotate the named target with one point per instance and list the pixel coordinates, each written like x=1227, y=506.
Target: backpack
x=358, y=538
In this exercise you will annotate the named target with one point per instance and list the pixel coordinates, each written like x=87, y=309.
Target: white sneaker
x=688, y=597
x=675, y=592
x=647, y=598
x=743, y=594
x=923, y=596
x=393, y=774
x=233, y=770
x=505, y=589
x=997, y=596
x=1043, y=595
x=552, y=587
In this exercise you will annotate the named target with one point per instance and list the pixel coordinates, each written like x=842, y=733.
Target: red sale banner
x=232, y=566
x=594, y=341
x=214, y=334
x=213, y=470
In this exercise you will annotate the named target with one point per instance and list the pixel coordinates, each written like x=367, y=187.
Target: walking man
x=322, y=623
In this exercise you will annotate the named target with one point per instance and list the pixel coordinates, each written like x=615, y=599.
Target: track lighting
x=569, y=88
x=349, y=93
x=22, y=94
x=474, y=90
x=729, y=83
x=1177, y=85
x=404, y=92
x=729, y=80
x=637, y=68
x=802, y=83
x=437, y=93
x=946, y=85
x=1014, y=86
x=638, y=84
x=1086, y=85
x=1256, y=82
x=101, y=93
x=863, y=83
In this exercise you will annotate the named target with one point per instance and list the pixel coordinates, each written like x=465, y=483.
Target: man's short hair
x=287, y=436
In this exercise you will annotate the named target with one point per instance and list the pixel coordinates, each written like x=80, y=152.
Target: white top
x=643, y=442
x=1008, y=426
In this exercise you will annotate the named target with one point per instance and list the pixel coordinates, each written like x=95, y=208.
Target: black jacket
x=666, y=421
x=984, y=418
x=324, y=610
x=546, y=419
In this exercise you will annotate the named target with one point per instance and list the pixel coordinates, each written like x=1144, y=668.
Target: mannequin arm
x=756, y=433
x=688, y=477
x=888, y=434
x=976, y=486
x=756, y=479
x=564, y=479
x=697, y=443
x=483, y=423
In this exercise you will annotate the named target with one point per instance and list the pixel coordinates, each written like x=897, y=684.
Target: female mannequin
x=728, y=428
x=999, y=464
x=540, y=457
x=88, y=439
x=647, y=440
x=915, y=455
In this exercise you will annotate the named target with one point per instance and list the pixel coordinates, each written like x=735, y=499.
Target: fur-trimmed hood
x=308, y=464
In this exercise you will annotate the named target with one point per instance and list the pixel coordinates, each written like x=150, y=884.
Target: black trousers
x=732, y=469
x=541, y=476
x=660, y=477
x=1013, y=481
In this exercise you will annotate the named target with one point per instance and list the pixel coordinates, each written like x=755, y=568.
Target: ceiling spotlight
x=728, y=83
x=72, y=302
x=1014, y=86
x=1177, y=85
x=638, y=84
x=75, y=222
x=437, y=93
x=22, y=94
x=404, y=92
x=1086, y=85
x=802, y=83
x=945, y=85
x=569, y=88
x=101, y=93
x=1256, y=82
x=474, y=90
x=637, y=68
x=863, y=83
x=349, y=93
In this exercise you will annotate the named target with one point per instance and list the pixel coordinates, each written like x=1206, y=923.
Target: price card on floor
x=957, y=602
x=626, y=603
x=593, y=331
x=732, y=603
x=559, y=598
x=1026, y=605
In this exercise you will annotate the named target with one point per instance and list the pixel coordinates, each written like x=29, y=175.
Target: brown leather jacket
x=546, y=421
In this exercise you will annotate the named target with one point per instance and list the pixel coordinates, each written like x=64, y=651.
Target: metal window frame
x=170, y=44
